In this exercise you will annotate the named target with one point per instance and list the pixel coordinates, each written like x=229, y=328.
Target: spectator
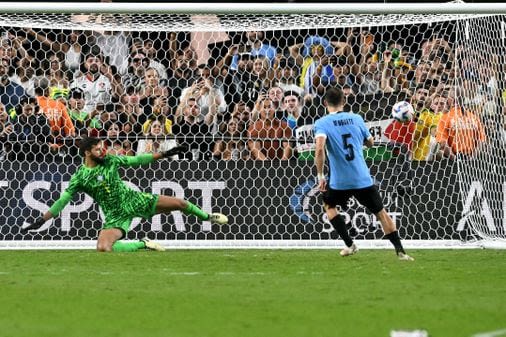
x=317, y=69
x=332, y=70
x=10, y=92
x=269, y=136
x=183, y=76
x=243, y=115
x=158, y=139
x=370, y=77
x=192, y=131
x=263, y=71
x=460, y=132
x=425, y=146
x=72, y=47
x=25, y=75
x=210, y=100
x=132, y=110
x=420, y=99
x=231, y=146
x=56, y=72
x=255, y=46
x=134, y=78
x=146, y=46
x=100, y=117
x=113, y=138
x=31, y=130
x=286, y=76
x=98, y=82
x=6, y=130
x=161, y=111
x=246, y=86
x=12, y=49
x=292, y=108
x=75, y=107
x=57, y=115
x=316, y=49
x=151, y=87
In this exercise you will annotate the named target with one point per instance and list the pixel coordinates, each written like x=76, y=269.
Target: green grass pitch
x=251, y=293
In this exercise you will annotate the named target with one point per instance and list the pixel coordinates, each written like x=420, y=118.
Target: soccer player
x=342, y=135
x=98, y=177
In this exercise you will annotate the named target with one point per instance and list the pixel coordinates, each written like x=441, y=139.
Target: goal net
x=242, y=91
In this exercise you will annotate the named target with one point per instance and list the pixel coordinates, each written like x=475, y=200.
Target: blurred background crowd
x=250, y=95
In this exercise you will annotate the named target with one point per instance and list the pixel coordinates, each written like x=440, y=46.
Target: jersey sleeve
x=66, y=196
x=319, y=129
x=142, y=159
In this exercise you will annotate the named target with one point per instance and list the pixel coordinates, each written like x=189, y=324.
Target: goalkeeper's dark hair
x=87, y=143
x=334, y=96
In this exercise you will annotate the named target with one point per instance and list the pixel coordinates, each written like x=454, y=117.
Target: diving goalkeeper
x=99, y=178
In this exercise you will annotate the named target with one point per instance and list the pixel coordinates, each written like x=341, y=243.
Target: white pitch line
x=491, y=333
x=190, y=273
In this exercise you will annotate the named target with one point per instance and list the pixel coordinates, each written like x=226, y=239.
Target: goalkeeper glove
x=33, y=223
x=177, y=150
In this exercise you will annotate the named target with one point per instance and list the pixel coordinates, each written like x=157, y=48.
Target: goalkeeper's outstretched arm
x=147, y=158
x=55, y=209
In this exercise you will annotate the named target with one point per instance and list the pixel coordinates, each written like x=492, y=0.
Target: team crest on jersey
x=100, y=178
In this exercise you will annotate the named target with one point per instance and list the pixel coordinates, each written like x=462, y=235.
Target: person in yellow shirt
x=427, y=120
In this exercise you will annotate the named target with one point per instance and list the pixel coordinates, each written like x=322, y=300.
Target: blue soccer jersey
x=345, y=135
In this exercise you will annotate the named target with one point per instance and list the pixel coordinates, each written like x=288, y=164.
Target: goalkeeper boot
x=347, y=251
x=218, y=218
x=405, y=257
x=151, y=245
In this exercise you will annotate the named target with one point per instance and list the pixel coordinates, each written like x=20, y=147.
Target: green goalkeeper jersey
x=105, y=186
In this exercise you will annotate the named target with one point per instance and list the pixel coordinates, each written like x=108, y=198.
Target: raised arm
x=55, y=46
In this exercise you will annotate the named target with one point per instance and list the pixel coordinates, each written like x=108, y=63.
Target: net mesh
x=243, y=92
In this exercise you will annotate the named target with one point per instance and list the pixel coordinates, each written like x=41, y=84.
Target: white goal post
x=442, y=175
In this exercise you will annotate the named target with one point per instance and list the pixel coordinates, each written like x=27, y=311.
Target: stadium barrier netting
x=242, y=91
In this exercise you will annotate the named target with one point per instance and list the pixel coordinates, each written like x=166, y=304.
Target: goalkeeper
x=99, y=177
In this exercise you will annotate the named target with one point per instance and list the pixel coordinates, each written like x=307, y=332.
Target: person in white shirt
x=98, y=83
x=209, y=98
x=157, y=140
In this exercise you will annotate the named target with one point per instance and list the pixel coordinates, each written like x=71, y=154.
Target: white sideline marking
x=491, y=333
x=190, y=273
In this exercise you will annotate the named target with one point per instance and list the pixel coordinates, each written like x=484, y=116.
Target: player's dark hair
x=334, y=96
x=87, y=143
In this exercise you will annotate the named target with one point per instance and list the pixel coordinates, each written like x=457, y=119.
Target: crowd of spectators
x=254, y=99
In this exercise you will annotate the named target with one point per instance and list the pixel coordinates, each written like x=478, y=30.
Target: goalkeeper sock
x=396, y=241
x=340, y=226
x=120, y=246
x=194, y=210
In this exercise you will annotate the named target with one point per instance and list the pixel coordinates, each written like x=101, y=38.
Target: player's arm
x=320, y=160
x=148, y=158
x=369, y=142
x=55, y=209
